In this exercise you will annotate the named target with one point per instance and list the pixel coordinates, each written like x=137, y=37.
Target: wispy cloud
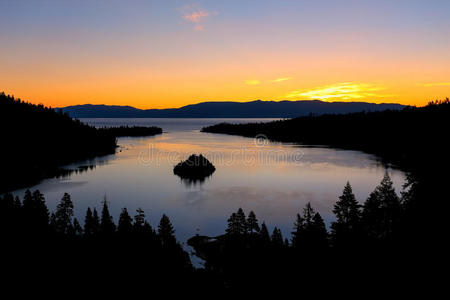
x=256, y=82
x=252, y=82
x=435, y=84
x=342, y=91
x=281, y=79
x=196, y=16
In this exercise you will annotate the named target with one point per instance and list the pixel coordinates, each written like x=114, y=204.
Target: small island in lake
x=196, y=167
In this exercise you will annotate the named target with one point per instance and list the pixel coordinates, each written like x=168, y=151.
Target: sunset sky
x=157, y=54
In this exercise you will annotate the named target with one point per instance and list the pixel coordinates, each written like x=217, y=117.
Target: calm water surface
x=274, y=180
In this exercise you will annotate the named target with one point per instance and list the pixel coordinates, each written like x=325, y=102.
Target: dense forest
x=402, y=137
x=374, y=244
x=363, y=240
x=120, y=251
x=38, y=140
x=414, y=139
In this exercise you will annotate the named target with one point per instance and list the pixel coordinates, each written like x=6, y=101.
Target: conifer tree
x=107, y=226
x=63, y=215
x=309, y=230
x=241, y=221
x=53, y=222
x=382, y=211
x=346, y=229
x=233, y=228
x=265, y=237
x=298, y=231
x=77, y=230
x=27, y=199
x=41, y=212
x=252, y=223
x=319, y=232
x=89, y=229
x=308, y=214
x=95, y=222
x=277, y=237
x=125, y=224
x=139, y=221
x=36, y=214
x=166, y=232
x=147, y=229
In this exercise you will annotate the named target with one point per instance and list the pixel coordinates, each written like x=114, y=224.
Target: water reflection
x=194, y=182
x=274, y=180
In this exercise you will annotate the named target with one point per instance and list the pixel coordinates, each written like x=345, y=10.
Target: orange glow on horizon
x=264, y=76
x=166, y=56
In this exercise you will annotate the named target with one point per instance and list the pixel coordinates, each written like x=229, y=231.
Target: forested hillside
x=37, y=140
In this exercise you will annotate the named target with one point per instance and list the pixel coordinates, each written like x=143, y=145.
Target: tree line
x=129, y=250
x=39, y=140
x=363, y=239
x=408, y=138
x=414, y=139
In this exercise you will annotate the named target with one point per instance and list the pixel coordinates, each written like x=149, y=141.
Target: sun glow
x=167, y=54
x=341, y=91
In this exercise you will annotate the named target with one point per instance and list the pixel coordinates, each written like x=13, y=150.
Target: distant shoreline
x=251, y=110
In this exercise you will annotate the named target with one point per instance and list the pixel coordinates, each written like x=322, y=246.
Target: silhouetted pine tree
x=277, y=237
x=265, y=237
x=36, y=213
x=95, y=222
x=107, y=226
x=63, y=215
x=382, y=211
x=232, y=228
x=346, y=230
x=89, y=226
x=166, y=232
x=241, y=221
x=139, y=221
x=53, y=222
x=298, y=231
x=252, y=223
x=41, y=211
x=319, y=232
x=148, y=230
x=125, y=225
x=309, y=230
x=237, y=223
x=308, y=214
x=77, y=230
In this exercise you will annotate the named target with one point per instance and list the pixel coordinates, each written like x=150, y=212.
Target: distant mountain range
x=253, y=109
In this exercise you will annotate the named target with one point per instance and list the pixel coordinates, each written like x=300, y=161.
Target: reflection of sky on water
x=141, y=175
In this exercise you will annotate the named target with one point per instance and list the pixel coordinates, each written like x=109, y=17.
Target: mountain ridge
x=228, y=109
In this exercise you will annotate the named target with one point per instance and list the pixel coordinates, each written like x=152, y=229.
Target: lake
x=275, y=180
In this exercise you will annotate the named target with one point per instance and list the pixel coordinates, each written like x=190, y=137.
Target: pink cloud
x=196, y=16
